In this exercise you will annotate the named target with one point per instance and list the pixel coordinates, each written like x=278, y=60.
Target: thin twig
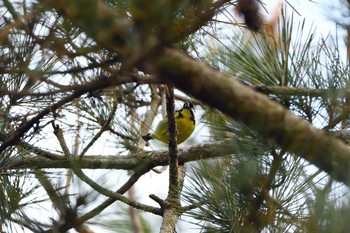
x=101, y=131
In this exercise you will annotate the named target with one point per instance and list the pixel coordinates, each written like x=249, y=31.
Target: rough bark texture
x=256, y=111
x=170, y=218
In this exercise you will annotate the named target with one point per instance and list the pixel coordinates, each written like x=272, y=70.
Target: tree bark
x=255, y=110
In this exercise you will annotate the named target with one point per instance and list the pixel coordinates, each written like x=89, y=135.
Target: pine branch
x=54, y=195
x=173, y=191
x=139, y=161
x=256, y=111
x=97, y=210
x=291, y=91
x=189, y=26
x=114, y=30
x=150, y=115
x=114, y=196
x=170, y=213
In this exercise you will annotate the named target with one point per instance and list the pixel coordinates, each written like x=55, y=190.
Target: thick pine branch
x=256, y=111
x=140, y=161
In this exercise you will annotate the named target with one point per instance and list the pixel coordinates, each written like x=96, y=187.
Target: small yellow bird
x=185, y=124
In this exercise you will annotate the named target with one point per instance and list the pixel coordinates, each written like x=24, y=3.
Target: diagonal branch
x=256, y=111
x=113, y=196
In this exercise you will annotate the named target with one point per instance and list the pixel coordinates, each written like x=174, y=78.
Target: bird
x=185, y=124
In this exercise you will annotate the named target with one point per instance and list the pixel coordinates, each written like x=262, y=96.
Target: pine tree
x=82, y=80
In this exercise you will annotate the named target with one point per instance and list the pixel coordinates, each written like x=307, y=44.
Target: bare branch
x=170, y=214
x=139, y=161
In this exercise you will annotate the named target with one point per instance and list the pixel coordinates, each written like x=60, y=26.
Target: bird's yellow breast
x=185, y=125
